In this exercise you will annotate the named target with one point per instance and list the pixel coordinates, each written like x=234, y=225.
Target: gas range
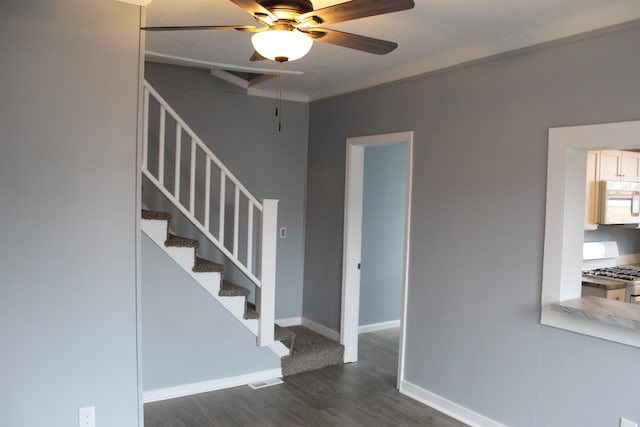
x=629, y=275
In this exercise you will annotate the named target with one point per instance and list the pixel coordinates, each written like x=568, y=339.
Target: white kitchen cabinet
x=609, y=165
x=592, y=191
x=630, y=166
x=615, y=294
x=606, y=165
x=617, y=165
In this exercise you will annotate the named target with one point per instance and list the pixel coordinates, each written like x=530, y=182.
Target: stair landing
x=311, y=351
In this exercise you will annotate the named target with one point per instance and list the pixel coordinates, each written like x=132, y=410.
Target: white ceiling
x=433, y=35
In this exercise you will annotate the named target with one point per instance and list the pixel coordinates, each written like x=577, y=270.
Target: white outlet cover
x=87, y=416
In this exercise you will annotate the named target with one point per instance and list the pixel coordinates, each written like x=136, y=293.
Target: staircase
x=208, y=274
x=185, y=173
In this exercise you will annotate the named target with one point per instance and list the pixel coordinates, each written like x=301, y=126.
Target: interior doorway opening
x=352, y=246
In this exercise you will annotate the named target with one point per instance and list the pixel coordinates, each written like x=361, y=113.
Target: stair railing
x=261, y=214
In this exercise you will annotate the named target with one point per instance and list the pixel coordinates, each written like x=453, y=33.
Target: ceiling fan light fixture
x=281, y=45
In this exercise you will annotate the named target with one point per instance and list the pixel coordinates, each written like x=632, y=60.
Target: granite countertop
x=603, y=310
x=604, y=283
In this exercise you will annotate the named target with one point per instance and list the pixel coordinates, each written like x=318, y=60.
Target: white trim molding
x=321, y=329
x=137, y=2
x=564, y=235
x=289, y=321
x=212, y=385
x=309, y=324
x=381, y=326
x=352, y=240
x=454, y=410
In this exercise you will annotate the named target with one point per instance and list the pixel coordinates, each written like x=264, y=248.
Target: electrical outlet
x=87, y=416
x=627, y=423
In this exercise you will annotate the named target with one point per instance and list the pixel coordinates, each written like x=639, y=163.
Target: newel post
x=266, y=294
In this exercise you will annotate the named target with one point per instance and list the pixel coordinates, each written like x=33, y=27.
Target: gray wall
x=383, y=209
x=182, y=341
x=387, y=109
x=473, y=331
x=68, y=85
x=242, y=131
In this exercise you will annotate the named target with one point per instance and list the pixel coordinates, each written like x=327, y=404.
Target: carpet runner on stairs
x=147, y=214
x=308, y=350
x=201, y=265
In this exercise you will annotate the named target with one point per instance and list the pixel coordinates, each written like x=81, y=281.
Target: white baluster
x=236, y=221
x=192, y=180
x=223, y=196
x=207, y=191
x=250, y=236
x=161, y=146
x=176, y=181
x=260, y=255
x=145, y=130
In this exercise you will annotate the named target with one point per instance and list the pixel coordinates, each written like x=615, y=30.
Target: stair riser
x=235, y=305
x=209, y=281
x=183, y=256
x=155, y=229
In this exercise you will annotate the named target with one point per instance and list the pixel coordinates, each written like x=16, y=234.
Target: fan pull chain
x=279, y=97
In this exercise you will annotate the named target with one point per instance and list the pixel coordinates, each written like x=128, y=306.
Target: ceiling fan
x=289, y=27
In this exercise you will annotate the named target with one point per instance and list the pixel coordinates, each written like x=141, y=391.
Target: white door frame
x=352, y=240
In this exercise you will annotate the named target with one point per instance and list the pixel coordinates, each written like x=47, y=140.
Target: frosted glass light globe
x=281, y=45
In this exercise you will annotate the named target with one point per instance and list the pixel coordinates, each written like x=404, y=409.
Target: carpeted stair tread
x=286, y=336
x=147, y=214
x=228, y=289
x=181, y=242
x=311, y=351
x=205, y=266
x=250, y=311
x=281, y=333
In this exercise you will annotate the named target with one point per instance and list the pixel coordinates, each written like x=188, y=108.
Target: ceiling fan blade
x=254, y=8
x=256, y=57
x=355, y=9
x=206, y=27
x=352, y=41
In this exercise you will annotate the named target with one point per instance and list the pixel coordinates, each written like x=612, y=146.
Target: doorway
x=352, y=241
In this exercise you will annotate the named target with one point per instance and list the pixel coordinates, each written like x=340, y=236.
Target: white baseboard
x=321, y=329
x=446, y=406
x=289, y=321
x=206, y=386
x=315, y=327
x=372, y=327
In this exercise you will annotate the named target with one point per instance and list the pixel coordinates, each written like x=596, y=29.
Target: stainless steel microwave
x=619, y=202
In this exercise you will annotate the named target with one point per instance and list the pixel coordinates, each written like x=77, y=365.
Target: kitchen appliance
x=619, y=202
x=629, y=275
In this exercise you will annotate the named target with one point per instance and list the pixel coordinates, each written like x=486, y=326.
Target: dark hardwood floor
x=357, y=394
